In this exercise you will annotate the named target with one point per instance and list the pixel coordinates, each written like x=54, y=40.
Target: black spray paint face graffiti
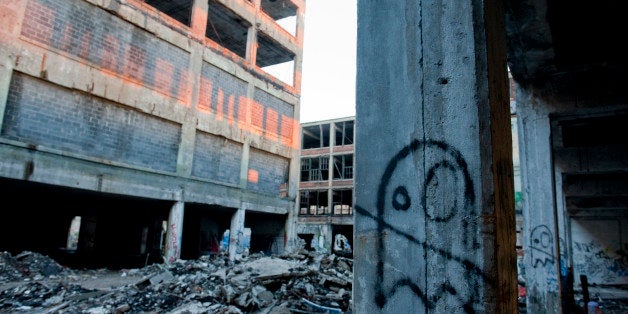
x=541, y=245
x=414, y=208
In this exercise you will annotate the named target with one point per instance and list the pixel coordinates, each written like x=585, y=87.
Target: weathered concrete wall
x=434, y=225
x=556, y=238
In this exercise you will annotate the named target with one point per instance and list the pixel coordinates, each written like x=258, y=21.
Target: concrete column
x=6, y=71
x=173, y=234
x=244, y=164
x=435, y=225
x=236, y=232
x=541, y=242
x=198, y=22
x=188, y=129
x=298, y=67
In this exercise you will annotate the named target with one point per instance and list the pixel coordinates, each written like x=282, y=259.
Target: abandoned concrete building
x=160, y=126
x=325, y=215
x=434, y=204
x=148, y=128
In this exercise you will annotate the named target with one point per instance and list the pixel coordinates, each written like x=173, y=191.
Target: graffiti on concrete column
x=426, y=189
x=542, y=246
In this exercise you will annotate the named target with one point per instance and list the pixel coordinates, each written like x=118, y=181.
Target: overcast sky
x=329, y=48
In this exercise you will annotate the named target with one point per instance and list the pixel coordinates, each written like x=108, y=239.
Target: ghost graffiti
x=541, y=246
x=427, y=182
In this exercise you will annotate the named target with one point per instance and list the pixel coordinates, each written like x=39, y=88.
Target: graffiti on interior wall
x=443, y=198
x=600, y=264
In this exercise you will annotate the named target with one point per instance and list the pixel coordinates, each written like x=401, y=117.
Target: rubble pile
x=306, y=282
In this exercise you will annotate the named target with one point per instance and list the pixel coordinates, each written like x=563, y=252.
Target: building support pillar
x=435, y=223
x=236, y=234
x=173, y=234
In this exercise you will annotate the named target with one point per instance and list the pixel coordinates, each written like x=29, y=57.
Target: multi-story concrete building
x=159, y=125
x=326, y=185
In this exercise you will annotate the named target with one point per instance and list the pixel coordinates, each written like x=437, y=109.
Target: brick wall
x=221, y=93
x=278, y=116
x=271, y=172
x=43, y=114
x=217, y=158
x=90, y=34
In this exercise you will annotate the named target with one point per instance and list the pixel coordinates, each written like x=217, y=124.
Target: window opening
x=226, y=28
x=314, y=203
x=344, y=133
x=274, y=58
x=315, y=136
x=343, y=202
x=315, y=169
x=284, y=12
x=343, y=167
x=180, y=10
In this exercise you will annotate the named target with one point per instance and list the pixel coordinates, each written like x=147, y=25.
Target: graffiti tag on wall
x=444, y=197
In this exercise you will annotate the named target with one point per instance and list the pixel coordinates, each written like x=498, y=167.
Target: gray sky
x=329, y=47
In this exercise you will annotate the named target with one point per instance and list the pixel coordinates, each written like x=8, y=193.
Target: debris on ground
x=304, y=282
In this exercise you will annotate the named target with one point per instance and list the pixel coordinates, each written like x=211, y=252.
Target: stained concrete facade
x=435, y=221
x=159, y=124
x=325, y=213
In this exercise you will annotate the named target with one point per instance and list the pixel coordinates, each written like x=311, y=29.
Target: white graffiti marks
x=601, y=264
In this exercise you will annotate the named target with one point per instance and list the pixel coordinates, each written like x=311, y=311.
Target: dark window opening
x=308, y=241
x=313, y=203
x=227, y=28
x=315, y=169
x=284, y=12
x=268, y=234
x=315, y=136
x=343, y=202
x=180, y=10
x=597, y=131
x=275, y=59
x=343, y=167
x=344, y=133
x=203, y=229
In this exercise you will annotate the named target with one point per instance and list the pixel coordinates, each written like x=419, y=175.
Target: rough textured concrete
x=571, y=108
x=434, y=225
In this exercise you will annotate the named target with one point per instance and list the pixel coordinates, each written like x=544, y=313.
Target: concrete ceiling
x=573, y=52
x=561, y=43
x=279, y=9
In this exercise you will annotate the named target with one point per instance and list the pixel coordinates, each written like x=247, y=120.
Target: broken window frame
x=315, y=168
x=343, y=167
x=315, y=136
x=314, y=203
x=342, y=202
x=344, y=132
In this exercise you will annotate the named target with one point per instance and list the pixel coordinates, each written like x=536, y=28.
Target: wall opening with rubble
x=203, y=229
x=114, y=231
x=268, y=233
